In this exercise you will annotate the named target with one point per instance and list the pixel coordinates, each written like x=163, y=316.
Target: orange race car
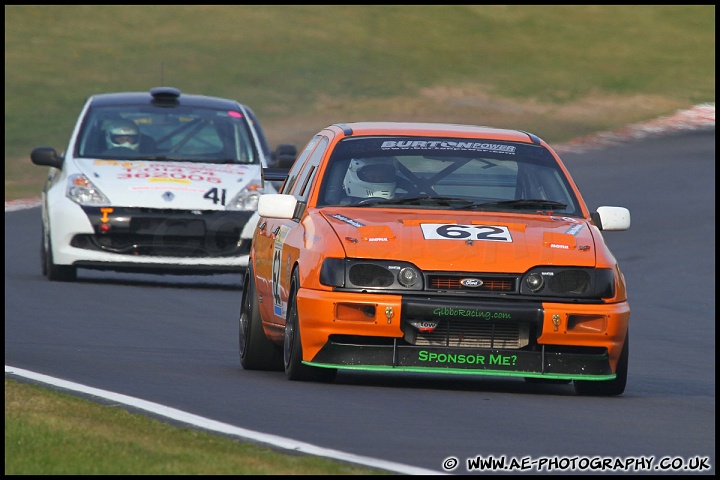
x=419, y=247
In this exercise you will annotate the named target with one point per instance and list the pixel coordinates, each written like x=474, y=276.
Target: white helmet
x=123, y=133
x=371, y=177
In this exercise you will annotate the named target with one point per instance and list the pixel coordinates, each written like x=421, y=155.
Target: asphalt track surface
x=166, y=346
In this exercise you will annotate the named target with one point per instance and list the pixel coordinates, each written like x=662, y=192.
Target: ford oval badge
x=471, y=282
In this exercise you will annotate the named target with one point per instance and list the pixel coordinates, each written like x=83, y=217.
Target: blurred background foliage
x=557, y=71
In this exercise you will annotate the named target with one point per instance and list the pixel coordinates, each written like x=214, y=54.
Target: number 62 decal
x=452, y=231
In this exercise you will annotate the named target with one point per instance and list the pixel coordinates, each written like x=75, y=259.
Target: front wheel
x=611, y=387
x=292, y=347
x=54, y=272
x=256, y=351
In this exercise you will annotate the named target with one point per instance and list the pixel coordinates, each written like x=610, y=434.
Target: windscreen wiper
x=520, y=204
x=428, y=200
x=165, y=158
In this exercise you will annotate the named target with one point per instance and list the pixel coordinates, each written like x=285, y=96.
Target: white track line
x=224, y=428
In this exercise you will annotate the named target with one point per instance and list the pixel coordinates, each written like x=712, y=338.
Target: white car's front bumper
x=76, y=239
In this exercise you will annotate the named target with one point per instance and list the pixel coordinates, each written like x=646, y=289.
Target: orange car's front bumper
x=572, y=340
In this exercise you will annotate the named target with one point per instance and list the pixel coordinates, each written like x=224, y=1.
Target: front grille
x=490, y=283
x=469, y=333
x=165, y=233
x=164, y=246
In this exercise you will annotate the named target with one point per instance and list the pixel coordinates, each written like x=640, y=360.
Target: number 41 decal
x=212, y=194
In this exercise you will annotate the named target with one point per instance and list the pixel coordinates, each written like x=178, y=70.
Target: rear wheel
x=611, y=387
x=292, y=347
x=59, y=273
x=256, y=351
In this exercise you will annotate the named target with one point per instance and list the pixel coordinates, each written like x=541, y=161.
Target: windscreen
x=166, y=133
x=446, y=173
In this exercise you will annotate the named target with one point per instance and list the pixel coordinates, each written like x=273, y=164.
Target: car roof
x=167, y=95
x=422, y=129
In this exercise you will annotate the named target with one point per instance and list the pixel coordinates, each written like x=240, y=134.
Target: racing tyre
x=256, y=351
x=58, y=273
x=611, y=387
x=292, y=347
x=43, y=255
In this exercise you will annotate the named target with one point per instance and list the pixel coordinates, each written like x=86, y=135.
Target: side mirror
x=611, y=218
x=46, y=156
x=276, y=205
x=284, y=156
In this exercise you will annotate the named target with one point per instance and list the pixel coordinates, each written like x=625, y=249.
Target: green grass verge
x=52, y=433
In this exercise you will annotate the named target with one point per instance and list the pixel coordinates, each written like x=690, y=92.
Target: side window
x=262, y=138
x=299, y=163
x=302, y=189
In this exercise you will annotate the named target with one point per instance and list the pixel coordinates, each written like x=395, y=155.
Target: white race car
x=158, y=181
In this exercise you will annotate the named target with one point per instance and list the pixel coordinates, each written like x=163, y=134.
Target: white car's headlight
x=82, y=191
x=247, y=199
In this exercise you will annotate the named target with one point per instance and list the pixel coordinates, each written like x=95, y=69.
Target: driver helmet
x=371, y=177
x=123, y=133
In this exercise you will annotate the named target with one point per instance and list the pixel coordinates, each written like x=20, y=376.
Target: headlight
x=408, y=277
x=247, y=199
x=82, y=191
x=569, y=282
x=370, y=274
x=535, y=282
